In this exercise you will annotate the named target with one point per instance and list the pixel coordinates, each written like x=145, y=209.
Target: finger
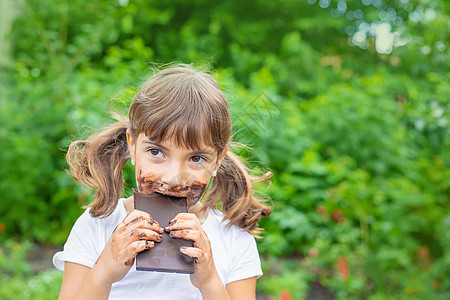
x=200, y=255
x=182, y=221
x=143, y=223
x=135, y=247
x=146, y=234
x=128, y=254
x=154, y=225
x=137, y=219
x=187, y=234
x=200, y=239
x=135, y=213
x=186, y=216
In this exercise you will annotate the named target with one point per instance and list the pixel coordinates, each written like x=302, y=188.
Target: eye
x=155, y=152
x=197, y=159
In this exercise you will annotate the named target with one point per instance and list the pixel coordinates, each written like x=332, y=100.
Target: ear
x=221, y=157
x=131, y=145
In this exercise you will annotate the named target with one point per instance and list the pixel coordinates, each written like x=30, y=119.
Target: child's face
x=169, y=169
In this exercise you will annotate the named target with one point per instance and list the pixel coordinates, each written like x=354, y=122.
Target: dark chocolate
x=164, y=256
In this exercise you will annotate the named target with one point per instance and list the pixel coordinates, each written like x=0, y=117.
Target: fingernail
x=183, y=249
x=167, y=229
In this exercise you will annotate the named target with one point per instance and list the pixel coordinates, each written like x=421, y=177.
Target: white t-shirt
x=234, y=250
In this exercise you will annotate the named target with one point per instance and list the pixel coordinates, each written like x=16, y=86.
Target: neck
x=199, y=210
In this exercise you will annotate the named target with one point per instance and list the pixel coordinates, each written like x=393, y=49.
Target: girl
x=177, y=135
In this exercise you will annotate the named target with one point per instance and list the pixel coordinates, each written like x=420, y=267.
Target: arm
x=134, y=234
x=242, y=289
x=205, y=277
x=239, y=290
x=77, y=274
x=81, y=282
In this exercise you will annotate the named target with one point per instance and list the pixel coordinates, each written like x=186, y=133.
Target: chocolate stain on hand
x=148, y=244
x=178, y=233
x=135, y=220
x=148, y=184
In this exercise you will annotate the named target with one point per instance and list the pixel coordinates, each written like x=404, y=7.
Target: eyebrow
x=203, y=152
x=149, y=141
x=197, y=152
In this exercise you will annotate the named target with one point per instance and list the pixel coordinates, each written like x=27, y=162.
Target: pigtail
x=97, y=164
x=233, y=187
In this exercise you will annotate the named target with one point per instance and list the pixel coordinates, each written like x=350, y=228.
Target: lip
x=173, y=198
x=192, y=193
x=174, y=191
x=170, y=194
x=149, y=184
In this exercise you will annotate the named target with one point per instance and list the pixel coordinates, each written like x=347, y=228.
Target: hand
x=187, y=226
x=137, y=232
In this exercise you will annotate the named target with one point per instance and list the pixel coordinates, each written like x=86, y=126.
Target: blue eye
x=155, y=152
x=197, y=159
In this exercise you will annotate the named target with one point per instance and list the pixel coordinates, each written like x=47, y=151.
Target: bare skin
x=187, y=226
x=138, y=231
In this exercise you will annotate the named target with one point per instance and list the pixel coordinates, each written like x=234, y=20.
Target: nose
x=173, y=174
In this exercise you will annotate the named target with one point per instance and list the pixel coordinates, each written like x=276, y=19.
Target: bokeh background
x=346, y=102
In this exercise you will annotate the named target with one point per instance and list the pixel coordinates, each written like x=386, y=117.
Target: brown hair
x=187, y=105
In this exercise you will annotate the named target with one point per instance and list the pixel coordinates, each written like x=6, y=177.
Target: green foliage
x=284, y=276
x=357, y=140
x=45, y=285
x=12, y=259
x=16, y=277
x=363, y=187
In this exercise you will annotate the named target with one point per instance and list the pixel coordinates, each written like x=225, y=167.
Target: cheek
x=147, y=182
x=204, y=177
x=201, y=173
x=148, y=167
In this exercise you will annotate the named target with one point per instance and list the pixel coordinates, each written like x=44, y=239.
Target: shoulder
x=88, y=237
x=86, y=219
x=217, y=217
x=216, y=220
x=219, y=228
x=234, y=249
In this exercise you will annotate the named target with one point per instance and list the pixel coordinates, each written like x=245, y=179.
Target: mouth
x=191, y=195
x=170, y=195
x=150, y=184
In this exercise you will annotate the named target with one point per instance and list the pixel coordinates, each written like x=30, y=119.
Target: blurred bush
x=17, y=279
x=357, y=140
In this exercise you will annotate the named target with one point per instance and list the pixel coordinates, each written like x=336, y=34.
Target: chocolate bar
x=164, y=256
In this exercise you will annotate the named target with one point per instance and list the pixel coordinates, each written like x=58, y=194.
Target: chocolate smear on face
x=148, y=184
